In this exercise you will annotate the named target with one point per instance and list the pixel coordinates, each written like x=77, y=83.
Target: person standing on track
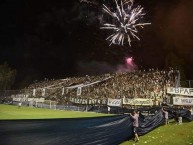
x=165, y=116
x=135, y=126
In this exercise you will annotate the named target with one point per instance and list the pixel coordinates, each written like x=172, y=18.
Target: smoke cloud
x=98, y=68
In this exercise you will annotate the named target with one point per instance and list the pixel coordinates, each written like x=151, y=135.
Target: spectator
x=179, y=119
x=165, y=116
x=135, y=126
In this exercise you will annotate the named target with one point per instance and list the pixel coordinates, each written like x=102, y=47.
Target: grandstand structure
x=139, y=88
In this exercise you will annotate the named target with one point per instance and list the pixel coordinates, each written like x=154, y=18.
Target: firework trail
x=126, y=21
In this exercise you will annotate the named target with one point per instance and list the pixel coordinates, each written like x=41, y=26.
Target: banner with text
x=183, y=101
x=114, y=102
x=138, y=101
x=89, y=101
x=180, y=91
x=28, y=99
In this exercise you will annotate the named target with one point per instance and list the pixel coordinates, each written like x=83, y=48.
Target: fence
x=51, y=105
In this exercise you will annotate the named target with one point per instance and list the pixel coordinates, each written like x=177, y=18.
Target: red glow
x=129, y=60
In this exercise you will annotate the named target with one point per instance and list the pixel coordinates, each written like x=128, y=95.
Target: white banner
x=19, y=99
x=114, y=102
x=138, y=101
x=79, y=91
x=62, y=91
x=88, y=84
x=24, y=99
x=183, y=101
x=20, y=96
x=180, y=91
x=34, y=92
x=43, y=92
x=36, y=99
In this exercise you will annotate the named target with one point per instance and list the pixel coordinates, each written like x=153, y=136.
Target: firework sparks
x=126, y=21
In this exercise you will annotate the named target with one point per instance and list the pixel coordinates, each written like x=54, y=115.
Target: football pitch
x=10, y=112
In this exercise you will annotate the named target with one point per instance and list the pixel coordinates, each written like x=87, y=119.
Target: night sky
x=58, y=39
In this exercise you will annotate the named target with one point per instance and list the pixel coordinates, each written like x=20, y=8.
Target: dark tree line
x=7, y=76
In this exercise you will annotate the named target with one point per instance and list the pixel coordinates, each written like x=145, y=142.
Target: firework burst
x=126, y=21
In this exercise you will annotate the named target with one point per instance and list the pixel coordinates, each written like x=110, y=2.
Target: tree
x=7, y=76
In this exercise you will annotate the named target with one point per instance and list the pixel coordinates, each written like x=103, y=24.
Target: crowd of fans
x=139, y=84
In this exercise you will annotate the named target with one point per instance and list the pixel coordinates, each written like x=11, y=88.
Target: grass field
x=8, y=112
x=164, y=135
x=167, y=135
